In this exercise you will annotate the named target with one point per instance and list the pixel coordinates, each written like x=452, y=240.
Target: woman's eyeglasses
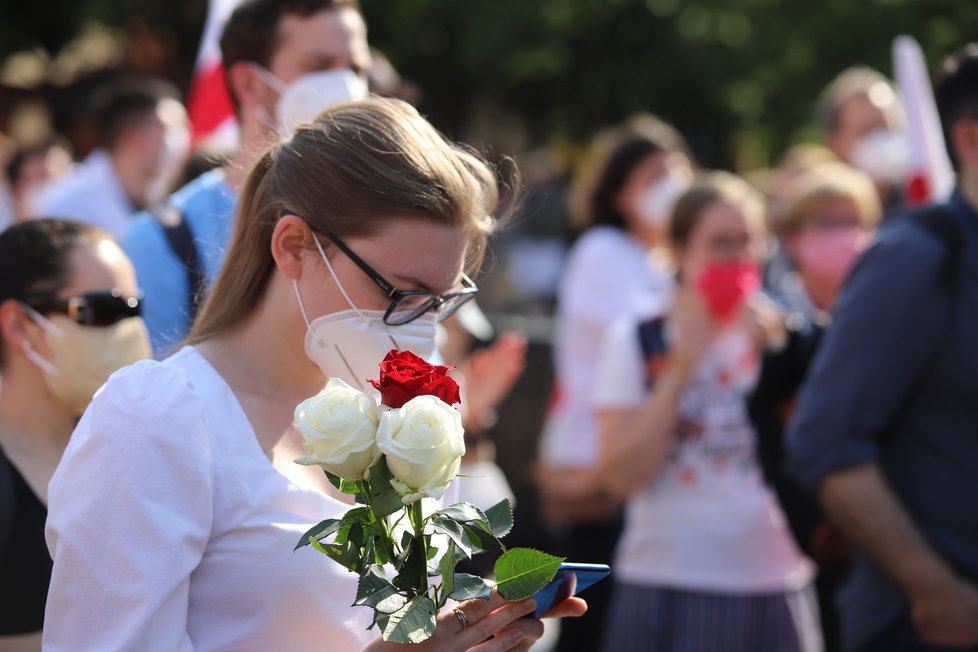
x=91, y=309
x=408, y=305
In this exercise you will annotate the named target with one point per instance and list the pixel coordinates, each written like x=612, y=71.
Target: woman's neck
x=822, y=294
x=258, y=359
x=32, y=421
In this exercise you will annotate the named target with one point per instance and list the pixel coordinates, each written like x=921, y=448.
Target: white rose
x=339, y=426
x=424, y=443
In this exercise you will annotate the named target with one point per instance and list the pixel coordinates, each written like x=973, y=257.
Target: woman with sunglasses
x=69, y=317
x=174, y=515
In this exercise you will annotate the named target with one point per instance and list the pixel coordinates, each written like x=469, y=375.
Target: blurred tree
x=738, y=78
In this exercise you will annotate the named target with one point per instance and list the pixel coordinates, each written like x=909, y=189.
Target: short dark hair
x=251, y=32
x=120, y=105
x=35, y=255
x=956, y=93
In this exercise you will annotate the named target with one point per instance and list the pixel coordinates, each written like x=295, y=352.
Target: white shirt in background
x=706, y=521
x=90, y=193
x=171, y=530
x=609, y=273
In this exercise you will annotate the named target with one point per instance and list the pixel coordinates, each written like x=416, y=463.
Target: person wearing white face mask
x=69, y=318
x=862, y=121
x=614, y=267
x=285, y=61
x=187, y=465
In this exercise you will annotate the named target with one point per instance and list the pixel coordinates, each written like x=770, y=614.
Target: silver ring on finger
x=462, y=618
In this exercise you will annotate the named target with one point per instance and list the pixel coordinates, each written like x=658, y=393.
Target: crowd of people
x=762, y=417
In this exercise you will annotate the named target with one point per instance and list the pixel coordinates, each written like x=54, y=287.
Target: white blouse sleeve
x=602, y=281
x=620, y=382
x=130, y=510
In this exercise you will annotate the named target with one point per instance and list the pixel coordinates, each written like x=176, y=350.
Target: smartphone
x=570, y=580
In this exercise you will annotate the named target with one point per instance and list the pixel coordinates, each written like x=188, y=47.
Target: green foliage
x=521, y=572
x=738, y=78
x=405, y=607
x=413, y=623
x=500, y=518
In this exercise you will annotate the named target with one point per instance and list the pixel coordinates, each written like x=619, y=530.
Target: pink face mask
x=829, y=255
x=725, y=286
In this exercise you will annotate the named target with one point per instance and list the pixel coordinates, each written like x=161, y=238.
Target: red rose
x=404, y=375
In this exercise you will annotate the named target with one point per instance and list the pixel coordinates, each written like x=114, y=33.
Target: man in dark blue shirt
x=886, y=430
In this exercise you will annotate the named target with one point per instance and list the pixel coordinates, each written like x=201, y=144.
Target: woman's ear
x=14, y=324
x=291, y=243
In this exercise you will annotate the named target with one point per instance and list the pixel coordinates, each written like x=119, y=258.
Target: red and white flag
x=211, y=111
x=931, y=177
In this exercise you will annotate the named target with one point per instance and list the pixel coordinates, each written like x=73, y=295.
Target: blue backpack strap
x=181, y=241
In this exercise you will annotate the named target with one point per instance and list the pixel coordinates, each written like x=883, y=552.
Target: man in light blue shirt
x=262, y=40
x=207, y=204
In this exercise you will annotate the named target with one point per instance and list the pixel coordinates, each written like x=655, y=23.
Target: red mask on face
x=725, y=286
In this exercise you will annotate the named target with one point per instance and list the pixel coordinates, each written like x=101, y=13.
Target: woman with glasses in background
x=69, y=317
x=174, y=515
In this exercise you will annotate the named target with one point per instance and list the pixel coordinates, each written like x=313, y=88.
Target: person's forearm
x=634, y=448
x=861, y=504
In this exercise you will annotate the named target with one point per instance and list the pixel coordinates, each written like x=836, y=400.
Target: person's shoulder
x=152, y=390
x=601, y=240
x=905, y=242
x=205, y=192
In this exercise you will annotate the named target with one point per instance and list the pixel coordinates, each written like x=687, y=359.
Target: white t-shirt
x=171, y=530
x=706, y=521
x=90, y=193
x=609, y=273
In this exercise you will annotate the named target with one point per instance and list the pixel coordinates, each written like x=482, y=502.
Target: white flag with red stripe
x=210, y=108
x=931, y=177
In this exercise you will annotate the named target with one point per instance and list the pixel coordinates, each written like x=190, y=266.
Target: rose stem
x=417, y=519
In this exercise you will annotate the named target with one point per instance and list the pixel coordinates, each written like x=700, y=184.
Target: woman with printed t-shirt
x=611, y=271
x=175, y=511
x=706, y=561
x=69, y=317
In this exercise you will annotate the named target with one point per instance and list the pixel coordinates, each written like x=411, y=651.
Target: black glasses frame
x=453, y=300
x=90, y=309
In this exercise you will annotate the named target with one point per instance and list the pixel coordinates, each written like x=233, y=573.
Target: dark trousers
x=590, y=544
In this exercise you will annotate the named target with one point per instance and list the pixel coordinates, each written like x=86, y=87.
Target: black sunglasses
x=408, y=305
x=92, y=309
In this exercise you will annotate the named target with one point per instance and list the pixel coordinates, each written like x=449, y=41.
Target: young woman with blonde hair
x=175, y=511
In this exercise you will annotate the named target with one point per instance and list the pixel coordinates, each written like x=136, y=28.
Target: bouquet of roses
x=390, y=457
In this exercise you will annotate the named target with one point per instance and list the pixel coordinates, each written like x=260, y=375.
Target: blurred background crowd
x=612, y=111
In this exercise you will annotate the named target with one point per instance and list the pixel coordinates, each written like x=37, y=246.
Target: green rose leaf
x=500, y=518
x=413, y=572
x=447, y=569
x=470, y=587
x=413, y=623
x=376, y=592
x=480, y=539
x=455, y=532
x=383, y=498
x=320, y=531
x=464, y=513
x=521, y=572
x=346, y=548
x=345, y=486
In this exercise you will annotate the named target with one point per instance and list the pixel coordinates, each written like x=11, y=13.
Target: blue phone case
x=570, y=580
